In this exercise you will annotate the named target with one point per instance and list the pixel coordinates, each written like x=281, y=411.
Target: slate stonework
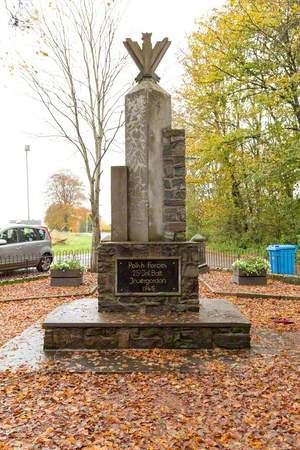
x=174, y=216
x=184, y=337
x=191, y=255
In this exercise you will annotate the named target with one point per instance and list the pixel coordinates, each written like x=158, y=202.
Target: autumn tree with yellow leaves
x=65, y=196
x=240, y=105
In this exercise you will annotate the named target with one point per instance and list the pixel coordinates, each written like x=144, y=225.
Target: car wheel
x=44, y=264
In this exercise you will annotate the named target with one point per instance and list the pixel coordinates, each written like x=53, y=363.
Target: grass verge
x=74, y=242
x=22, y=280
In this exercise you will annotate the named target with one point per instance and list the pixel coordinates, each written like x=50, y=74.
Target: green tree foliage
x=240, y=105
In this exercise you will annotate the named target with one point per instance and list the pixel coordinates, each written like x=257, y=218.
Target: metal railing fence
x=84, y=256
x=20, y=266
x=15, y=266
x=216, y=259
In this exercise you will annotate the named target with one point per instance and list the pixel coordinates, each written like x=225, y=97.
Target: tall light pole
x=27, y=150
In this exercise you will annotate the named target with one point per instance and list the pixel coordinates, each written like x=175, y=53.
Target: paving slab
x=25, y=350
x=84, y=313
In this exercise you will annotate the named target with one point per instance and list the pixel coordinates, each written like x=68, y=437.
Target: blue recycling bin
x=282, y=258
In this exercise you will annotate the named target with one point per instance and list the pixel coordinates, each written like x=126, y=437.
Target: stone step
x=79, y=325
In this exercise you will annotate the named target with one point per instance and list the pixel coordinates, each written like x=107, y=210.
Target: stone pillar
x=147, y=113
x=119, y=209
x=174, y=215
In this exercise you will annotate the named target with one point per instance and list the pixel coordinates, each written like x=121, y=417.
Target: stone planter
x=244, y=278
x=71, y=277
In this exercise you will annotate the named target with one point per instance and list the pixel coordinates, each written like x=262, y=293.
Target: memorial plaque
x=148, y=276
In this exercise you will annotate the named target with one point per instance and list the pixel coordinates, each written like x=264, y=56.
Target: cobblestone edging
x=191, y=254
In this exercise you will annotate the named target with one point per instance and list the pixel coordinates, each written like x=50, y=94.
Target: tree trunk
x=66, y=222
x=96, y=234
x=240, y=224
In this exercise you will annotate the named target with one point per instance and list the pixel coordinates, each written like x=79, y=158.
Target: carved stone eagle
x=147, y=58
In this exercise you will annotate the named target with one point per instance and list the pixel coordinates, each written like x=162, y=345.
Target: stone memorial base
x=79, y=326
x=149, y=276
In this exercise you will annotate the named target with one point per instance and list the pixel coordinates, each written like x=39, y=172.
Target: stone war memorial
x=148, y=272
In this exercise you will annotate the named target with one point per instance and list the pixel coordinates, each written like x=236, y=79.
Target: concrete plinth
x=79, y=326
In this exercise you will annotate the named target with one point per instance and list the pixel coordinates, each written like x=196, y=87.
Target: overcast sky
x=22, y=120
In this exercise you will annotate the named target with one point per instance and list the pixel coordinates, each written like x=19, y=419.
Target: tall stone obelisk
x=147, y=113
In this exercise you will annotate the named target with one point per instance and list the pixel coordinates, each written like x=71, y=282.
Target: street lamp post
x=27, y=150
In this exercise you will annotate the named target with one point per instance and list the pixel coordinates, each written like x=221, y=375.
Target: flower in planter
x=251, y=265
x=70, y=264
x=66, y=273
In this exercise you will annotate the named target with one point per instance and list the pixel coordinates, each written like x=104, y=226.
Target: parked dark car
x=23, y=246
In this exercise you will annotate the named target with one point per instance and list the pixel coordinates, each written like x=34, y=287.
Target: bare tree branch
x=78, y=87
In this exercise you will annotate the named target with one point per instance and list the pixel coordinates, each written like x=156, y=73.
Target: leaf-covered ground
x=15, y=317
x=242, y=402
x=241, y=407
x=222, y=281
x=42, y=287
x=265, y=312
